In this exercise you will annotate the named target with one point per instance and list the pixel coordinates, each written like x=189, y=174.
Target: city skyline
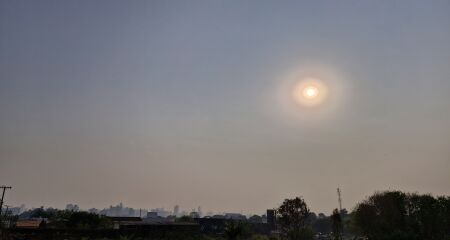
x=121, y=210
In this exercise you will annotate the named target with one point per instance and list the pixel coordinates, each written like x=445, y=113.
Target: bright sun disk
x=310, y=92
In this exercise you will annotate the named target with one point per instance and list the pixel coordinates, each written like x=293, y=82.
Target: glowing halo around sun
x=309, y=92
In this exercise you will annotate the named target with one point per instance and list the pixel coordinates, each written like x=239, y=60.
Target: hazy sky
x=157, y=103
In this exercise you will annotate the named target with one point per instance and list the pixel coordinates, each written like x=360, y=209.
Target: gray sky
x=157, y=103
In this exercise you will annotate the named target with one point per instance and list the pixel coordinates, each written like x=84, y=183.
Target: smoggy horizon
x=200, y=103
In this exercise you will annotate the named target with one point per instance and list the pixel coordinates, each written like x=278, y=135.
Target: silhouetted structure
x=339, y=199
x=30, y=223
x=176, y=210
x=3, y=195
x=272, y=218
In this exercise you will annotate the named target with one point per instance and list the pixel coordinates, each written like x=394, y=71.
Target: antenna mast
x=339, y=199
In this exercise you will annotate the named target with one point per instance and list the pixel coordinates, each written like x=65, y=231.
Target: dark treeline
x=389, y=215
x=401, y=216
x=69, y=219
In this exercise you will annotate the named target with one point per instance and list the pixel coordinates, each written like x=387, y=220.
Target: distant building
x=199, y=211
x=235, y=216
x=152, y=215
x=161, y=212
x=176, y=210
x=121, y=211
x=210, y=213
x=131, y=212
x=30, y=223
x=194, y=214
x=271, y=218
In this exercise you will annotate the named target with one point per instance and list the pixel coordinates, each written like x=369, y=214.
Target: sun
x=310, y=92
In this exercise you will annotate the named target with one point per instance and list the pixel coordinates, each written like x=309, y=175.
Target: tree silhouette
x=336, y=223
x=236, y=230
x=292, y=220
x=394, y=215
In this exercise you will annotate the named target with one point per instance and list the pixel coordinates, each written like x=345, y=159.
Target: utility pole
x=3, y=195
x=339, y=199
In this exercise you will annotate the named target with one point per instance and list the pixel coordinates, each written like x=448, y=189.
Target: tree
x=336, y=223
x=184, y=219
x=85, y=220
x=322, y=225
x=444, y=214
x=255, y=219
x=292, y=220
x=382, y=214
x=236, y=230
x=394, y=215
x=425, y=216
x=69, y=219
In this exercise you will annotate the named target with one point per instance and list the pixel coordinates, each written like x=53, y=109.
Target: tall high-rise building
x=176, y=210
x=199, y=211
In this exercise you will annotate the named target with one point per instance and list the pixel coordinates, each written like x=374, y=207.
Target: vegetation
x=336, y=221
x=396, y=215
x=185, y=219
x=237, y=230
x=69, y=219
x=292, y=219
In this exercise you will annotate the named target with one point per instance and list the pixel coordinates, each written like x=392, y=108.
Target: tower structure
x=339, y=199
